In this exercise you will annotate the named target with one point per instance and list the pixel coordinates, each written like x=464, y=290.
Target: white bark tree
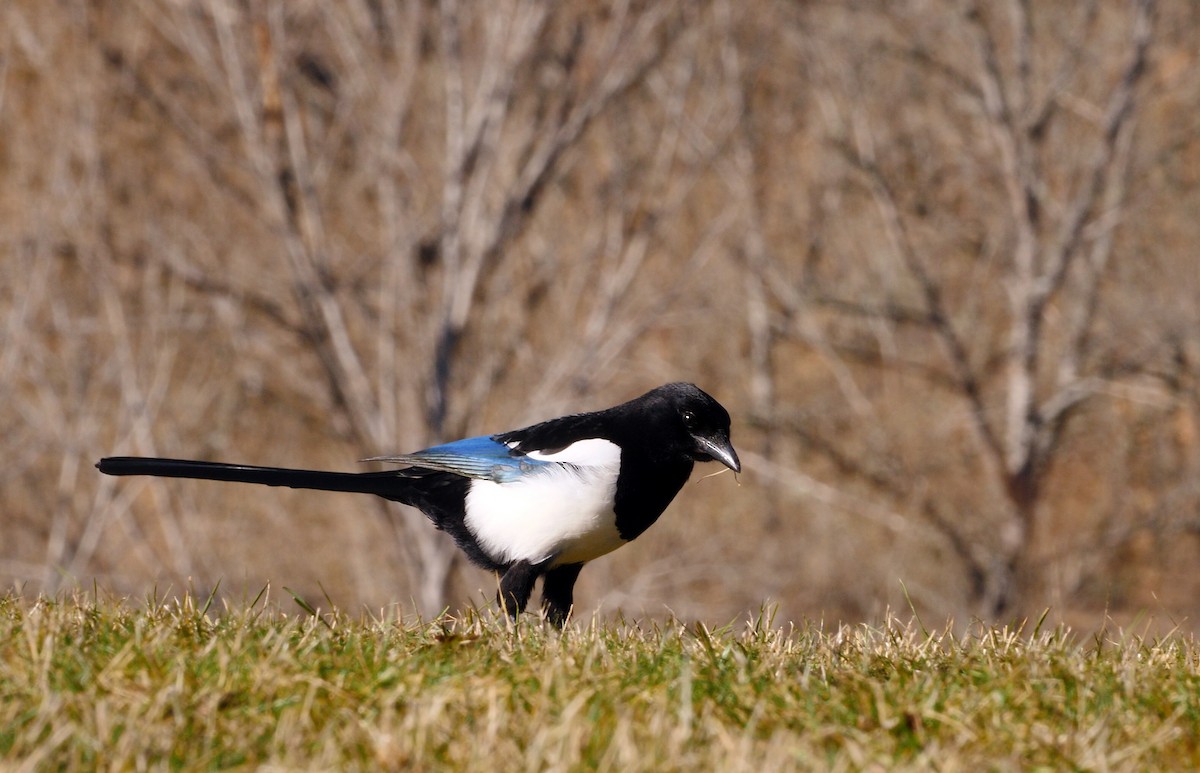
x=1019, y=376
x=385, y=162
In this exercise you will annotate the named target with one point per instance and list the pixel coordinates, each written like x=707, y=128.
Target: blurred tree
x=1017, y=123
x=386, y=160
x=940, y=256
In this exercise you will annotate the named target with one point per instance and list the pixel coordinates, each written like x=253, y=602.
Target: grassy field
x=89, y=683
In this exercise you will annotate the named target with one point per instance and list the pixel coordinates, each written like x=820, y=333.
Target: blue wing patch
x=482, y=458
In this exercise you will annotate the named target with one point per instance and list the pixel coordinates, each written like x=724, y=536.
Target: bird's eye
x=689, y=419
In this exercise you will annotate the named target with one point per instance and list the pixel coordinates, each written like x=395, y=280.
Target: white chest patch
x=563, y=512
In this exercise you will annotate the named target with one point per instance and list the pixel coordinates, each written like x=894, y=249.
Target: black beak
x=720, y=450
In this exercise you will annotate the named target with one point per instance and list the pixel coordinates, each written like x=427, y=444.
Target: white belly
x=563, y=514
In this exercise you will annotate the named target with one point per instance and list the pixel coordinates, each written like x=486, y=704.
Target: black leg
x=558, y=592
x=516, y=586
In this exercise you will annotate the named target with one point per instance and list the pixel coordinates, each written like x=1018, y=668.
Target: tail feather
x=390, y=485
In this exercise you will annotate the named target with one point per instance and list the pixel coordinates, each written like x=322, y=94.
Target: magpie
x=538, y=502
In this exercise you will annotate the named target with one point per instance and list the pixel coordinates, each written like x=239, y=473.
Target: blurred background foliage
x=938, y=258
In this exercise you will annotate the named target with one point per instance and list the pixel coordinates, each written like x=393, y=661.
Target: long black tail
x=390, y=485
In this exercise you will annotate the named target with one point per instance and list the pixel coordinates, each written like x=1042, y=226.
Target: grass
x=109, y=684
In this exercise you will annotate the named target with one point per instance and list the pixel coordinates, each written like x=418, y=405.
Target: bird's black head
x=700, y=423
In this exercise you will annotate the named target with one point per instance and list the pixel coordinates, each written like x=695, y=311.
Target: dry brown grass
x=98, y=682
